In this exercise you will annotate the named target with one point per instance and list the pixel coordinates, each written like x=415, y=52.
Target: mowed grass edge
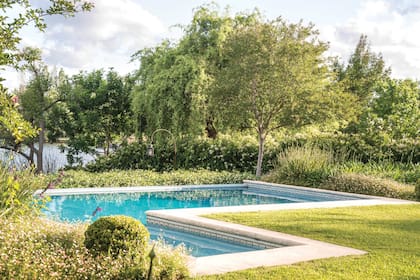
x=390, y=234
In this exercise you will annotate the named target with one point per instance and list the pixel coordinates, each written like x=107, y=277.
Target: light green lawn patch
x=391, y=235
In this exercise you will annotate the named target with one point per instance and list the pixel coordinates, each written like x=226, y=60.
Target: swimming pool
x=89, y=204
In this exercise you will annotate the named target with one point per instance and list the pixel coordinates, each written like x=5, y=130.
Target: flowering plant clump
x=35, y=248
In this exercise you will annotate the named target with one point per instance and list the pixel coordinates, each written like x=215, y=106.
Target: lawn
x=391, y=235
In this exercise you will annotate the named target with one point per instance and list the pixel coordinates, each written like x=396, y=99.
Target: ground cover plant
x=34, y=248
x=388, y=233
x=76, y=179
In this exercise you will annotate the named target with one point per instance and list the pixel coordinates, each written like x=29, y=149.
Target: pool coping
x=297, y=249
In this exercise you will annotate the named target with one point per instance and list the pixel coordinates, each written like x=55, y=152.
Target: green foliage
x=389, y=233
x=407, y=173
x=34, y=248
x=13, y=127
x=80, y=179
x=364, y=71
x=258, y=87
x=117, y=235
x=231, y=153
x=171, y=83
x=16, y=192
x=97, y=112
x=418, y=190
x=364, y=184
x=306, y=166
x=394, y=112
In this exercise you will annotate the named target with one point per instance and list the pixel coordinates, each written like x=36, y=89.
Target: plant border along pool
x=281, y=249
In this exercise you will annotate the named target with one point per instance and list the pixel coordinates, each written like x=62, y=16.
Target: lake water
x=54, y=159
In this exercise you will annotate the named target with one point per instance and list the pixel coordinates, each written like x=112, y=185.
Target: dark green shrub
x=232, y=153
x=116, y=235
x=365, y=184
x=418, y=190
x=306, y=166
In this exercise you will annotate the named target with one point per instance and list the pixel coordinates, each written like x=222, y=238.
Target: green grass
x=390, y=234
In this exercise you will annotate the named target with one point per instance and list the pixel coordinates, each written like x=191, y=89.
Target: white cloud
x=392, y=28
x=105, y=37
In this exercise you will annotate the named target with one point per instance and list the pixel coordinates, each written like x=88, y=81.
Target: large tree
x=97, y=111
x=173, y=77
x=273, y=75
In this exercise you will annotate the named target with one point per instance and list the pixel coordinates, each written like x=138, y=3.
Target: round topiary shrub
x=116, y=235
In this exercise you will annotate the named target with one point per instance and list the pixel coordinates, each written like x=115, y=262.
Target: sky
x=108, y=36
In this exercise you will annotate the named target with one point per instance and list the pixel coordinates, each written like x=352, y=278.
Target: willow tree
x=173, y=76
x=273, y=76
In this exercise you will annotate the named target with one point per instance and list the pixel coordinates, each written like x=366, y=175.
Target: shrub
x=77, y=179
x=365, y=184
x=116, y=235
x=232, y=153
x=34, y=248
x=307, y=166
x=418, y=190
x=16, y=192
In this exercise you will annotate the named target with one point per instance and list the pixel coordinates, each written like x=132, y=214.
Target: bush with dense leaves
x=370, y=185
x=116, y=235
x=240, y=152
x=232, y=153
x=306, y=166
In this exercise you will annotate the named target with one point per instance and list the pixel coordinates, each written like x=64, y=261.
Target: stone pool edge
x=297, y=249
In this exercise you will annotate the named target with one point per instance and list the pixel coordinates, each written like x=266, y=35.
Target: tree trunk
x=261, y=140
x=40, y=152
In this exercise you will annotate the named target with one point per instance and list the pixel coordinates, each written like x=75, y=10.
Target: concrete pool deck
x=294, y=248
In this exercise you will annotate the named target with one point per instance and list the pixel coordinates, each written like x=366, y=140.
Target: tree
x=13, y=127
x=394, y=112
x=98, y=112
x=173, y=77
x=273, y=76
x=364, y=71
x=37, y=99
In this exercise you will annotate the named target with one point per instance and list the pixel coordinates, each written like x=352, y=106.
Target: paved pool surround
x=280, y=248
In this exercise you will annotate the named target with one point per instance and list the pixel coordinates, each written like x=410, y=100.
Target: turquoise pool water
x=75, y=208
x=89, y=207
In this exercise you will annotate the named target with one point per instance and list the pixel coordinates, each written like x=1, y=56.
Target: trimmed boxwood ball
x=116, y=235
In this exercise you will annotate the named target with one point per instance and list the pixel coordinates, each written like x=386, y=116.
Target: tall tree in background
x=394, y=112
x=37, y=99
x=98, y=112
x=172, y=79
x=364, y=72
x=273, y=76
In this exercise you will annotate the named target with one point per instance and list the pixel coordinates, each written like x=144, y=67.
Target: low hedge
x=365, y=184
x=240, y=152
x=84, y=179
